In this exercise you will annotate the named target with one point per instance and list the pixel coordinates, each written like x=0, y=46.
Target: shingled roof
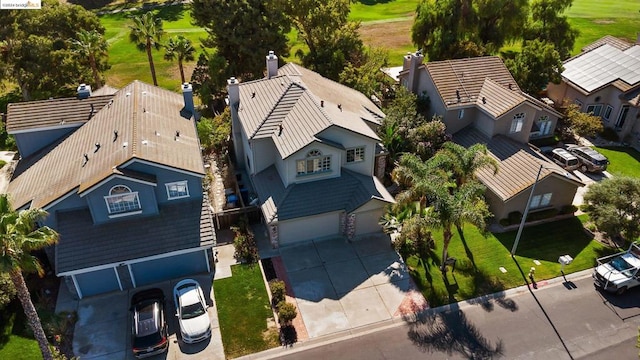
x=143, y=122
x=295, y=106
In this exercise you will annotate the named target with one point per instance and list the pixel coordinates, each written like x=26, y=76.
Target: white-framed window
x=540, y=201
x=177, y=190
x=314, y=163
x=355, y=154
x=622, y=116
x=579, y=103
x=121, y=200
x=594, y=109
x=517, y=123
x=460, y=113
x=545, y=125
x=607, y=113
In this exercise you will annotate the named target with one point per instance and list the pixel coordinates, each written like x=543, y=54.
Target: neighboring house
x=309, y=146
x=480, y=102
x=604, y=79
x=121, y=177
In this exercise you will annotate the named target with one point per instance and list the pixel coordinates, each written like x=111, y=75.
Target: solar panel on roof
x=604, y=65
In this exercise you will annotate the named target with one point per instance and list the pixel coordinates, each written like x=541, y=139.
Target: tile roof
x=496, y=99
x=178, y=226
x=53, y=113
x=147, y=120
x=288, y=109
x=609, y=40
x=518, y=164
x=347, y=192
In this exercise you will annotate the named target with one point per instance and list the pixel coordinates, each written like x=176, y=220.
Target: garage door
x=367, y=222
x=313, y=227
x=171, y=267
x=97, y=282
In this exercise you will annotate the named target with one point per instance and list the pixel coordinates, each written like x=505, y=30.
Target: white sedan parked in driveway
x=191, y=310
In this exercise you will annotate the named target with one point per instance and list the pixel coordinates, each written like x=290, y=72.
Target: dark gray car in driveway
x=148, y=325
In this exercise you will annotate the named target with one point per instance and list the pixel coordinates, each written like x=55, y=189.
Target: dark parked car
x=148, y=325
x=590, y=160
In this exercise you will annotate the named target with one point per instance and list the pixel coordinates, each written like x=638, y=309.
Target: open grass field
x=624, y=161
x=14, y=341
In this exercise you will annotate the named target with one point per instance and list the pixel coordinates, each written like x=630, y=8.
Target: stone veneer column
x=381, y=165
x=273, y=236
x=351, y=226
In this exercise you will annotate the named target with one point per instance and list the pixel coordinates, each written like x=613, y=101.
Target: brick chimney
x=84, y=91
x=272, y=65
x=233, y=90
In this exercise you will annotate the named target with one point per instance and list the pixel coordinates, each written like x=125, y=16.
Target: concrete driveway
x=340, y=285
x=103, y=327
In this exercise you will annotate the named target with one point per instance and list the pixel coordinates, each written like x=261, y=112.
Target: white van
x=565, y=159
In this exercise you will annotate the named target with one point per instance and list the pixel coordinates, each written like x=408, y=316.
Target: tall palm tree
x=464, y=162
x=146, y=33
x=92, y=46
x=20, y=234
x=180, y=48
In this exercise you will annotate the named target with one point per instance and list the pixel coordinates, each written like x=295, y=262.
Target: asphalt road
x=558, y=321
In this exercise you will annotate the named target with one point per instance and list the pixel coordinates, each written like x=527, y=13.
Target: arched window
x=314, y=163
x=122, y=200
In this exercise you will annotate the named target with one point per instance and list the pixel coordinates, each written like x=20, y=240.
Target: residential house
x=310, y=149
x=604, y=79
x=121, y=177
x=480, y=102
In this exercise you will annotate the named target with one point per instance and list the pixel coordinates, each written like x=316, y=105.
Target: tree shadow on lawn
x=373, y=2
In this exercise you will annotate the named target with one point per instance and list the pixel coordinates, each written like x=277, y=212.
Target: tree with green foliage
x=364, y=74
x=7, y=290
x=146, y=32
x=614, y=206
x=243, y=32
x=36, y=53
x=209, y=79
x=91, y=46
x=426, y=139
x=549, y=25
x=580, y=123
x=463, y=162
x=214, y=133
x=19, y=236
x=179, y=48
x=414, y=238
x=535, y=66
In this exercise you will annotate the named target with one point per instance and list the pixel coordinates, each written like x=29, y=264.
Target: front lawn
x=624, y=161
x=243, y=311
x=15, y=342
x=478, y=263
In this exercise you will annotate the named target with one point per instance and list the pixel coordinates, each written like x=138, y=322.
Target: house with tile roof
x=310, y=148
x=604, y=79
x=121, y=177
x=480, y=102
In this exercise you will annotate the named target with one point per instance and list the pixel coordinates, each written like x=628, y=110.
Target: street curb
x=400, y=321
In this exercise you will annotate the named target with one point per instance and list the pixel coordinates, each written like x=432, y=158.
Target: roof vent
x=177, y=133
x=86, y=159
x=280, y=128
x=157, y=133
x=340, y=107
x=484, y=100
x=253, y=94
x=510, y=86
x=110, y=103
x=95, y=150
x=93, y=111
x=458, y=94
x=145, y=142
x=125, y=144
x=115, y=135
x=321, y=103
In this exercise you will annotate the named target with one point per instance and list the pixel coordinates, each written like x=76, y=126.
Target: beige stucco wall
x=349, y=140
x=291, y=169
x=308, y=228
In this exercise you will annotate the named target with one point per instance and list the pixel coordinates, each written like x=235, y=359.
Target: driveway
x=103, y=327
x=340, y=285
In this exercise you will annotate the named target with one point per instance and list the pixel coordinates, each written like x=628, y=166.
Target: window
x=607, y=112
x=540, y=201
x=355, y=154
x=314, y=163
x=460, y=113
x=177, y=190
x=594, y=109
x=622, y=117
x=545, y=125
x=122, y=200
x=517, y=123
x=579, y=103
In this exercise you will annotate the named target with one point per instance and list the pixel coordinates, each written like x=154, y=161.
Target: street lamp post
x=526, y=212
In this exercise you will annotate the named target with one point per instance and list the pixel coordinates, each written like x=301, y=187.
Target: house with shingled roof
x=604, y=79
x=121, y=177
x=310, y=148
x=480, y=102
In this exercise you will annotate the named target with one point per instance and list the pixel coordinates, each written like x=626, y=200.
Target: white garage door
x=309, y=228
x=367, y=221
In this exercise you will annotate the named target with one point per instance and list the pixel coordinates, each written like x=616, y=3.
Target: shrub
x=505, y=222
x=286, y=312
x=278, y=291
x=245, y=243
x=544, y=214
x=609, y=134
x=2, y=163
x=514, y=217
x=568, y=209
x=7, y=290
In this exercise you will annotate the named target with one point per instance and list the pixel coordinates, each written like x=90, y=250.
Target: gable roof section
x=604, y=65
x=609, y=40
x=347, y=192
x=496, y=100
x=67, y=112
x=291, y=102
x=518, y=164
x=149, y=127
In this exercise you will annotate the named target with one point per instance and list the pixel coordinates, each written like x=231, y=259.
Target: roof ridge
x=134, y=120
x=276, y=106
x=287, y=191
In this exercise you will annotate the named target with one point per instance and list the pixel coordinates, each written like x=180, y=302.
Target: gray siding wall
x=29, y=143
x=265, y=154
x=73, y=201
x=352, y=140
x=98, y=206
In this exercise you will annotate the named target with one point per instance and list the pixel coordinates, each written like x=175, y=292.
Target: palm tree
x=21, y=235
x=464, y=162
x=92, y=46
x=146, y=32
x=180, y=48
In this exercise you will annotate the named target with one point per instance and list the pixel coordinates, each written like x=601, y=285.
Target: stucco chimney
x=414, y=63
x=187, y=93
x=272, y=65
x=84, y=91
x=233, y=90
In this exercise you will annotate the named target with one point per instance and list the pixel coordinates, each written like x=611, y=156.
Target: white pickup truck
x=619, y=272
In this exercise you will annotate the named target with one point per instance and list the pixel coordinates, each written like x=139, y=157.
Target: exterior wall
x=503, y=123
x=30, y=142
x=454, y=124
x=165, y=176
x=352, y=140
x=73, y=201
x=264, y=155
x=171, y=267
x=554, y=123
x=290, y=166
x=309, y=228
x=485, y=123
x=368, y=216
x=97, y=282
x=98, y=206
x=239, y=139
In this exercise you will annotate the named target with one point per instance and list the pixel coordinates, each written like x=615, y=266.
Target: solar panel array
x=604, y=65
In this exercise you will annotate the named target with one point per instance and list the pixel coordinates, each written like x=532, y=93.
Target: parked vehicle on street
x=148, y=325
x=590, y=160
x=565, y=159
x=191, y=310
x=619, y=272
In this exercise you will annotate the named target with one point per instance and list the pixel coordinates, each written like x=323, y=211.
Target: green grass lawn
x=14, y=341
x=243, y=310
x=376, y=10
x=478, y=265
x=624, y=161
